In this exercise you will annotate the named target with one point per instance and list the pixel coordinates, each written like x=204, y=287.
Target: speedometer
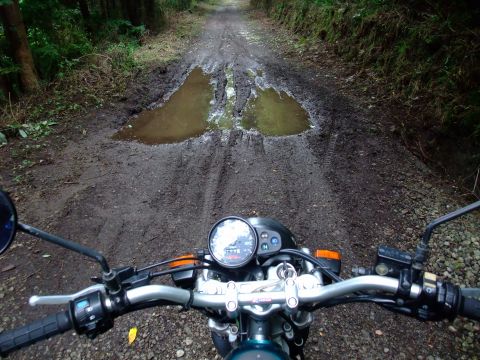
x=232, y=242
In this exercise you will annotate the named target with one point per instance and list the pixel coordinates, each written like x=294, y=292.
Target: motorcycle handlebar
x=305, y=293
x=470, y=308
x=41, y=329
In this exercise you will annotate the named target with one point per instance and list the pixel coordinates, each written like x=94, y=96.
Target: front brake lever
x=64, y=299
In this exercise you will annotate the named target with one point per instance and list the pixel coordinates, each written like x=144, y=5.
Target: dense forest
x=42, y=39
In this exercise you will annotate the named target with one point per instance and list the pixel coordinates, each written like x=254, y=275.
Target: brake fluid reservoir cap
x=381, y=269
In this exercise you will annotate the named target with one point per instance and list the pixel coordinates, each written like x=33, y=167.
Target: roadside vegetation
x=426, y=53
x=61, y=57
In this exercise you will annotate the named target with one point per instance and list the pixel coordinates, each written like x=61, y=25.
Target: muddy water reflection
x=275, y=114
x=183, y=116
x=186, y=113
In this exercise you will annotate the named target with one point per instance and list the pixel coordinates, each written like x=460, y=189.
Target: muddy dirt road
x=341, y=184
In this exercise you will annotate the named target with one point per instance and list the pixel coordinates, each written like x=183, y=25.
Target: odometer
x=232, y=242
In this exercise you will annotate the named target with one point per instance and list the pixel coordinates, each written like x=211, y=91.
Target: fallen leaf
x=132, y=335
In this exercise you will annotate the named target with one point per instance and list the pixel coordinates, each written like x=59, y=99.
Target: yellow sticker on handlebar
x=132, y=335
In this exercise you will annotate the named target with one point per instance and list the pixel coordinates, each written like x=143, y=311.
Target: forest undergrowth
x=100, y=73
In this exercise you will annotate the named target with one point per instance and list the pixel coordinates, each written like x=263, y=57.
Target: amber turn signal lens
x=179, y=262
x=328, y=254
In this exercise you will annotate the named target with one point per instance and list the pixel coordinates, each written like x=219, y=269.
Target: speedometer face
x=232, y=242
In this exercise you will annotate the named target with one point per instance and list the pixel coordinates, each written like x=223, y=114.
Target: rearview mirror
x=8, y=221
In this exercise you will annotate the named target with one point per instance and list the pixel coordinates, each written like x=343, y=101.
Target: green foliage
x=119, y=30
x=121, y=55
x=56, y=35
x=9, y=70
x=3, y=139
x=59, y=37
x=178, y=4
x=53, y=55
x=34, y=130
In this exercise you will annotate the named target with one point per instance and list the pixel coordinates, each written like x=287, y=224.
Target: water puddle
x=183, y=116
x=275, y=114
x=188, y=113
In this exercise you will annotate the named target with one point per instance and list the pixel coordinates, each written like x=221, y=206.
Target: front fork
x=290, y=333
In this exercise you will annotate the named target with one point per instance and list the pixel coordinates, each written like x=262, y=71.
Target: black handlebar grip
x=31, y=333
x=470, y=308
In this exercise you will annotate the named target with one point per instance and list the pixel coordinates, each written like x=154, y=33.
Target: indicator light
x=180, y=261
x=328, y=254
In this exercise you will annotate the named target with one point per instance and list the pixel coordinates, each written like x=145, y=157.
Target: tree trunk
x=124, y=8
x=133, y=10
x=149, y=19
x=17, y=38
x=104, y=9
x=84, y=9
x=113, y=9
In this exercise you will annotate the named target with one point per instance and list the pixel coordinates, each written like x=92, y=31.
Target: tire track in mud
x=216, y=175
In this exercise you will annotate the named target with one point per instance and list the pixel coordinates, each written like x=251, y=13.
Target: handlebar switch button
x=90, y=316
x=429, y=284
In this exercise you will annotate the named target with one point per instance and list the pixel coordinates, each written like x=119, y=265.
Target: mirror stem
x=70, y=245
x=422, y=248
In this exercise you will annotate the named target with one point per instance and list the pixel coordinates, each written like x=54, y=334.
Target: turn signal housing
x=184, y=260
x=332, y=258
x=328, y=254
x=184, y=279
